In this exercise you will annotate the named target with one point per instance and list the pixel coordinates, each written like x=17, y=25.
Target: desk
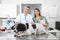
x=10, y=36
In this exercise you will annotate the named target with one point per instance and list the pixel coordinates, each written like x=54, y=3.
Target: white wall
x=45, y=4
x=32, y=7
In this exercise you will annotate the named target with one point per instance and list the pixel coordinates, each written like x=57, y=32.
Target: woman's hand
x=46, y=25
x=32, y=23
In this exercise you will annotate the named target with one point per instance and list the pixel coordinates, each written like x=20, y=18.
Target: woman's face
x=36, y=12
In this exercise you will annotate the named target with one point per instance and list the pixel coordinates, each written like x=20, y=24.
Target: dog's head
x=22, y=27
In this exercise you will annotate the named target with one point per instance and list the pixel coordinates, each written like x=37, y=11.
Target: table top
x=10, y=36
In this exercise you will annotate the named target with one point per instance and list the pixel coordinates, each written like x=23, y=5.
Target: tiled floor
x=10, y=36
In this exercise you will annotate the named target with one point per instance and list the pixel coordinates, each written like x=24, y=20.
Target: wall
x=32, y=7
x=45, y=5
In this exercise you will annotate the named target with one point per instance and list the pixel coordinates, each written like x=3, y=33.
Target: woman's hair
x=38, y=11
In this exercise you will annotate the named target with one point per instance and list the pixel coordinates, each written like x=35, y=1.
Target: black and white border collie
x=22, y=29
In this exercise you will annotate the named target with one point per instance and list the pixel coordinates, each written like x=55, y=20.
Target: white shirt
x=24, y=18
x=42, y=21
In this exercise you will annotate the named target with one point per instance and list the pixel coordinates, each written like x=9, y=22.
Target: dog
x=28, y=29
x=23, y=29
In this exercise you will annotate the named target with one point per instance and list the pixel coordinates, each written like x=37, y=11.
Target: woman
x=41, y=20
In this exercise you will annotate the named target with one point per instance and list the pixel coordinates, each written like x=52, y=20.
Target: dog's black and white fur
x=29, y=29
x=25, y=28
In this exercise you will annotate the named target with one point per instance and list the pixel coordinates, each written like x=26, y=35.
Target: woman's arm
x=46, y=25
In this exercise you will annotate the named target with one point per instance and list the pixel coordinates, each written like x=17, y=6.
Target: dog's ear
x=27, y=25
x=34, y=26
x=13, y=27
